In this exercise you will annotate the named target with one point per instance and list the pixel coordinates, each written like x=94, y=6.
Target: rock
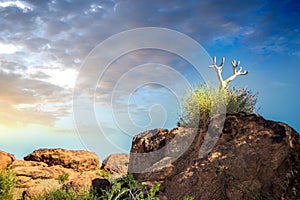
x=31, y=173
x=116, y=163
x=39, y=189
x=77, y=181
x=158, y=172
x=153, y=152
x=100, y=184
x=35, y=178
x=251, y=159
x=82, y=181
x=77, y=160
x=6, y=159
x=44, y=169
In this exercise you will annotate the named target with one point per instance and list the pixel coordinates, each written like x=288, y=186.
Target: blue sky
x=44, y=44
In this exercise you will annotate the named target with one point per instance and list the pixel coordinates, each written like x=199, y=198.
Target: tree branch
x=218, y=69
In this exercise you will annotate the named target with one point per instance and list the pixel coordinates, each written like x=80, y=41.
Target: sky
x=53, y=52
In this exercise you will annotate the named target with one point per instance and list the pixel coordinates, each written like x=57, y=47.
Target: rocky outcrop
x=6, y=159
x=116, y=163
x=77, y=160
x=31, y=173
x=251, y=159
x=83, y=181
x=153, y=152
x=48, y=169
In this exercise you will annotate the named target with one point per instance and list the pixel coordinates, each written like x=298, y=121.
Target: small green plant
x=197, y=106
x=103, y=173
x=125, y=188
x=62, y=178
x=60, y=194
x=189, y=198
x=203, y=102
x=240, y=100
x=128, y=188
x=7, y=182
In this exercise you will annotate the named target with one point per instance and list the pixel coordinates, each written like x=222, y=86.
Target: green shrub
x=103, y=173
x=189, y=198
x=128, y=188
x=7, y=182
x=124, y=188
x=62, y=178
x=61, y=194
x=241, y=100
x=203, y=102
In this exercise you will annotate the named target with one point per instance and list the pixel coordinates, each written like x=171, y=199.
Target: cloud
x=26, y=101
x=24, y=6
x=148, y=69
x=8, y=49
x=43, y=46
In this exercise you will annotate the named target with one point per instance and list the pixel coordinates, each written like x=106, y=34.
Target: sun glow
x=57, y=75
x=65, y=78
x=8, y=48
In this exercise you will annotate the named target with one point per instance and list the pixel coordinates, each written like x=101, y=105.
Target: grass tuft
x=203, y=102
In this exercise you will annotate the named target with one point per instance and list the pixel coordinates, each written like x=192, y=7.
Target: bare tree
x=236, y=72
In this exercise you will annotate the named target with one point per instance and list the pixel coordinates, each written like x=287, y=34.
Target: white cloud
x=25, y=7
x=8, y=48
x=65, y=78
x=57, y=75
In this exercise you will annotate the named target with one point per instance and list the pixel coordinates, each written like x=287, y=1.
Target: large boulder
x=82, y=181
x=252, y=158
x=48, y=169
x=41, y=187
x=78, y=160
x=6, y=159
x=76, y=181
x=31, y=173
x=35, y=178
x=116, y=163
x=153, y=152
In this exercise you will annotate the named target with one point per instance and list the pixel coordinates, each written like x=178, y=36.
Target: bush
x=103, y=173
x=124, y=188
x=62, y=178
x=128, y=188
x=60, y=194
x=189, y=198
x=203, y=102
x=241, y=100
x=7, y=182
